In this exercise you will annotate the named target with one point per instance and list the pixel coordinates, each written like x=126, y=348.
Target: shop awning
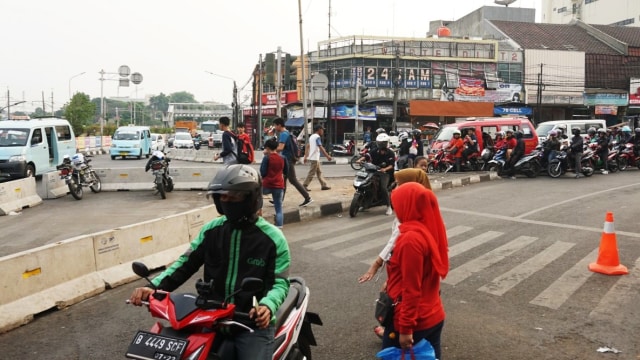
x=294, y=122
x=450, y=108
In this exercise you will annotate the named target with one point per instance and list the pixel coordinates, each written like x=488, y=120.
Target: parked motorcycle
x=530, y=165
x=368, y=193
x=498, y=161
x=195, y=322
x=443, y=161
x=163, y=182
x=77, y=172
x=345, y=149
x=597, y=164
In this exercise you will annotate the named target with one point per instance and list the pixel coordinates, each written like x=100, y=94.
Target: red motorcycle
x=626, y=158
x=194, y=322
x=444, y=161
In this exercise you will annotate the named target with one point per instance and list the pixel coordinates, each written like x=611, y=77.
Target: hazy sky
x=45, y=43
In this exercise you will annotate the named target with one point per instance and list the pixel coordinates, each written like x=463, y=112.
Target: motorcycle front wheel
x=356, y=202
x=587, y=168
x=75, y=189
x=623, y=163
x=96, y=184
x=431, y=169
x=554, y=169
x=169, y=185
x=355, y=165
x=534, y=169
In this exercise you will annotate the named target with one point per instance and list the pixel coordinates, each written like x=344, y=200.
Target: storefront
x=606, y=104
x=443, y=112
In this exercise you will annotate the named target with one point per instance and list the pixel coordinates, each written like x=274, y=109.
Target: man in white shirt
x=312, y=154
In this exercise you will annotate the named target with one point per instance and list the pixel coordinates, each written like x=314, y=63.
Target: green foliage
x=159, y=103
x=182, y=97
x=80, y=112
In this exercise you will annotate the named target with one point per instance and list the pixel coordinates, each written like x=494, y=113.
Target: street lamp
x=234, y=105
x=9, y=108
x=71, y=78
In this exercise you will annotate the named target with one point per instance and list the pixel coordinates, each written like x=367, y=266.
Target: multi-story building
x=600, y=12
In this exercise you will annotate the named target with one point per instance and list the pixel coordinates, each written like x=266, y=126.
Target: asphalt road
x=518, y=287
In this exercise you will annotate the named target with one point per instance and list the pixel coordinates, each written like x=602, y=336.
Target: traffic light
x=364, y=91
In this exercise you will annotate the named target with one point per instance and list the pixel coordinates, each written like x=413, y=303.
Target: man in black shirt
x=384, y=158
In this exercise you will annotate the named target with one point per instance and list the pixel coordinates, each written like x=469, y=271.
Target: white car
x=158, y=142
x=183, y=140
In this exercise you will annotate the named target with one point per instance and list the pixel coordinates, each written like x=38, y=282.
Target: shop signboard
x=605, y=99
x=634, y=91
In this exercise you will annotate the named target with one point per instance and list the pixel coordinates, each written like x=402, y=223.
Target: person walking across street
x=229, y=152
x=273, y=170
x=285, y=148
x=312, y=154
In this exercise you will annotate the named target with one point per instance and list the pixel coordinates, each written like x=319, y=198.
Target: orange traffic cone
x=608, y=262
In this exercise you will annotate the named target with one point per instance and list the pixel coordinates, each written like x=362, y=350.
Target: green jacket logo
x=256, y=262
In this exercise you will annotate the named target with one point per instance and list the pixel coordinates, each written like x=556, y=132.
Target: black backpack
x=293, y=146
x=240, y=154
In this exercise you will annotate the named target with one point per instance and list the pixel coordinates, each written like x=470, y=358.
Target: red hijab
x=418, y=211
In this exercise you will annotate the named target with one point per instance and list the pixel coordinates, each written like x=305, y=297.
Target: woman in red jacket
x=418, y=262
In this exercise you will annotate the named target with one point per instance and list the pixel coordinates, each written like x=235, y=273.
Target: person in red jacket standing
x=418, y=262
x=273, y=170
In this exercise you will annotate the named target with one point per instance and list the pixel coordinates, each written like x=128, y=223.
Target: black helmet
x=575, y=131
x=591, y=131
x=519, y=134
x=238, y=178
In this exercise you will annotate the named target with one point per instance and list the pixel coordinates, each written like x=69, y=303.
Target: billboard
x=634, y=91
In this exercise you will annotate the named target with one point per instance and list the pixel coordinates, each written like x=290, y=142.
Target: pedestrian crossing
x=477, y=254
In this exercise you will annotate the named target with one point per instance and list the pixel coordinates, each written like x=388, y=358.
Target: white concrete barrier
x=52, y=276
x=16, y=195
x=52, y=186
x=192, y=178
x=205, y=156
x=64, y=273
x=125, y=179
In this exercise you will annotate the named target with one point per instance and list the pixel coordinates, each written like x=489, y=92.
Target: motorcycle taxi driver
x=234, y=246
x=384, y=158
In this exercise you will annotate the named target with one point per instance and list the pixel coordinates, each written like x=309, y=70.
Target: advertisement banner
x=606, y=110
x=605, y=99
x=634, y=91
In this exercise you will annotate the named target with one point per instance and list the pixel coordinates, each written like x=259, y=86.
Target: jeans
x=291, y=176
x=432, y=335
x=384, y=186
x=276, y=195
x=314, y=169
x=258, y=345
x=578, y=162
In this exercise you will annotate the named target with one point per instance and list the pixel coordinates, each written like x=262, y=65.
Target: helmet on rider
x=242, y=187
x=591, y=131
x=403, y=136
x=552, y=133
x=575, y=131
x=509, y=132
x=626, y=129
x=500, y=133
x=392, y=133
x=636, y=130
x=416, y=132
x=602, y=131
x=380, y=131
x=519, y=134
x=382, y=141
x=456, y=132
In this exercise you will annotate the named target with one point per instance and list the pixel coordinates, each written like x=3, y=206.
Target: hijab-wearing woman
x=418, y=262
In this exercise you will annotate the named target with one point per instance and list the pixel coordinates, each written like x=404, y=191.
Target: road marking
x=329, y=225
x=510, y=279
x=473, y=242
x=588, y=195
x=457, y=230
x=350, y=236
x=557, y=293
x=615, y=304
x=462, y=272
x=536, y=222
x=362, y=247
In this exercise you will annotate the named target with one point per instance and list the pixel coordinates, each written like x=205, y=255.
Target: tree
x=159, y=103
x=182, y=97
x=80, y=112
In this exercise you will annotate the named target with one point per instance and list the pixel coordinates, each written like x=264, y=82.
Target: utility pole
x=279, y=77
x=355, y=129
x=260, y=124
x=539, y=97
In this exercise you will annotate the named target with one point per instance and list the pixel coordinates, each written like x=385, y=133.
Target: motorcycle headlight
x=16, y=158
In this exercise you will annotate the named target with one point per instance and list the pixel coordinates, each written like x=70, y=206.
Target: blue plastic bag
x=421, y=351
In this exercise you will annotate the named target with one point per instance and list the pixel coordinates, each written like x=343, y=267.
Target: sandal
x=379, y=331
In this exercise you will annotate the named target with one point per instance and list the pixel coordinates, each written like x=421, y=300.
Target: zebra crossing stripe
x=350, y=236
x=510, y=279
x=329, y=225
x=462, y=272
x=362, y=247
x=557, y=293
x=457, y=230
x=473, y=242
x=615, y=304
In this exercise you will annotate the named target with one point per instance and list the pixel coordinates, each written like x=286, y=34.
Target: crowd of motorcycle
x=554, y=156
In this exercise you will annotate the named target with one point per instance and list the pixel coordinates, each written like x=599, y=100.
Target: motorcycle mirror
x=140, y=269
x=252, y=284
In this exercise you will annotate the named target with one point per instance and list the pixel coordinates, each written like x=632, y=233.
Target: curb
x=338, y=207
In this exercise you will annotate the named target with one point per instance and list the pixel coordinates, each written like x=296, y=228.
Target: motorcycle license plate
x=361, y=174
x=149, y=346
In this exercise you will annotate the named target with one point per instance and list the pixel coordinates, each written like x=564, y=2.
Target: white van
x=582, y=124
x=34, y=147
x=131, y=141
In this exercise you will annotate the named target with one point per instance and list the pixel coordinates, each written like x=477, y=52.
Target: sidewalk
x=338, y=199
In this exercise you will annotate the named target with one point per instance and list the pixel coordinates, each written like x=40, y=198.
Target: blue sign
x=512, y=110
x=606, y=99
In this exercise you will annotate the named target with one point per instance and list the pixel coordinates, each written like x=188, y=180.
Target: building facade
x=600, y=12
